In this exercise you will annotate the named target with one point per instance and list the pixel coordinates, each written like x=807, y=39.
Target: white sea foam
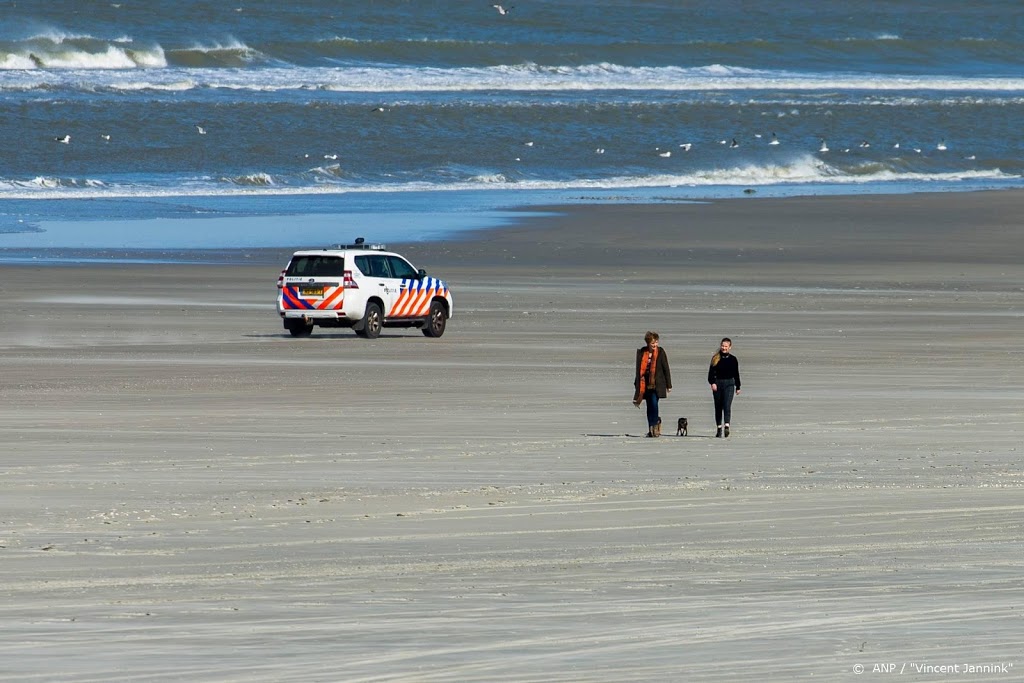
x=519, y=77
x=805, y=170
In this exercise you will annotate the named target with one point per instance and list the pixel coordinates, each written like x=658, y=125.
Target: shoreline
x=754, y=225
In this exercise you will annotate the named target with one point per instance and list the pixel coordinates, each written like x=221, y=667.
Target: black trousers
x=723, y=401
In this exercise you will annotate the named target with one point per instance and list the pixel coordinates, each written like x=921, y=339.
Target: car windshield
x=316, y=266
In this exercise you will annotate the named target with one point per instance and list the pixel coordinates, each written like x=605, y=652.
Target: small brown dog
x=683, y=427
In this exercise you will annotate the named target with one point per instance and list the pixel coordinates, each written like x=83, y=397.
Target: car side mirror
x=421, y=274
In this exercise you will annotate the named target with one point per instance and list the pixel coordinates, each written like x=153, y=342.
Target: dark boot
x=727, y=431
x=718, y=434
x=657, y=429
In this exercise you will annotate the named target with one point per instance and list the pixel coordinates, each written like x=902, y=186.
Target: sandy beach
x=191, y=494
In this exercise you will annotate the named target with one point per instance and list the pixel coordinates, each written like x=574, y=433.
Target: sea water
x=260, y=108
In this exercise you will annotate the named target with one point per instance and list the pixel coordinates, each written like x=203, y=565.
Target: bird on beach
x=941, y=146
x=64, y=139
x=774, y=140
x=665, y=154
x=824, y=147
x=502, y=10
x=202, y=131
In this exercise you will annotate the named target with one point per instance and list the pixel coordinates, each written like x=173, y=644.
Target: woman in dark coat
x=724, y=378
x=653, y=380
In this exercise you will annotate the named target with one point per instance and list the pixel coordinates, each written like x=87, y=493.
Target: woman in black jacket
x=724, y=378
x=653, y=380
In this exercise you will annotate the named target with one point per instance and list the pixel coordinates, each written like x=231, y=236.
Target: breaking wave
x=115, y=57
x=805, y=170
x=59, y=50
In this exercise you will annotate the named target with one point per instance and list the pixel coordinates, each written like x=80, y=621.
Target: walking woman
x=653, y=380
x=724, y=378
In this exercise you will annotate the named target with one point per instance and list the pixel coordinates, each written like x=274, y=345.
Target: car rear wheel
x=372, y=322
x=299, y=328
x=436, y=320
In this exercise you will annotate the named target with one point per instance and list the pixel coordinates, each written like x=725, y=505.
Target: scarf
x=648, y=365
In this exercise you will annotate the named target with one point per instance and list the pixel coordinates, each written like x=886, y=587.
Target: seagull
x=599, y=150
x=733, y=144
x=664, y=154
x=941, y=146
x=105, y=137
x=332, y=157
x=686, y=146
x=971, y=157
x=66, y=139
x=501, y=10
x=896, y=146
x=824, y=147
x=757, y=135
x=529, y=144
x=774, y=140
x=202, y=131
x=864, y=144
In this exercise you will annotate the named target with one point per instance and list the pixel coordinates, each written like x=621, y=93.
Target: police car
x=361, y=286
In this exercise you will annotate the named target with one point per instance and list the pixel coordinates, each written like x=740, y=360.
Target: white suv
x=362, y=286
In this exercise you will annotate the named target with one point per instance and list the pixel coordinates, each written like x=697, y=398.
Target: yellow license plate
x=311, y=291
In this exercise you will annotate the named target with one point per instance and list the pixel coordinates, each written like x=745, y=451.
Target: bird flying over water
x=202, y=131
x=502, y=10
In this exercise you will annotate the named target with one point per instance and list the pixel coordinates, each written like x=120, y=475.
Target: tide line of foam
x=804, y=171
x=514, y=78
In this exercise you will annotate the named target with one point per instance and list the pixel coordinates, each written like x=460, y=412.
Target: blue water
x=253, y=107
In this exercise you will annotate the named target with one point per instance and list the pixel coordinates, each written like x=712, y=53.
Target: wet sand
x=190, y=494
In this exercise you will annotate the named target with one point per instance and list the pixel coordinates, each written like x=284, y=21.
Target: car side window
x=373, y=265
x=379, y=266
x=401, y=269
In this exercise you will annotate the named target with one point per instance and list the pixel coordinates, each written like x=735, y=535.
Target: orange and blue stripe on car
x=414, y=301
x=291, y=299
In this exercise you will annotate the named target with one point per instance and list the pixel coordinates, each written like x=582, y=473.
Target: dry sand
x=189, y=494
